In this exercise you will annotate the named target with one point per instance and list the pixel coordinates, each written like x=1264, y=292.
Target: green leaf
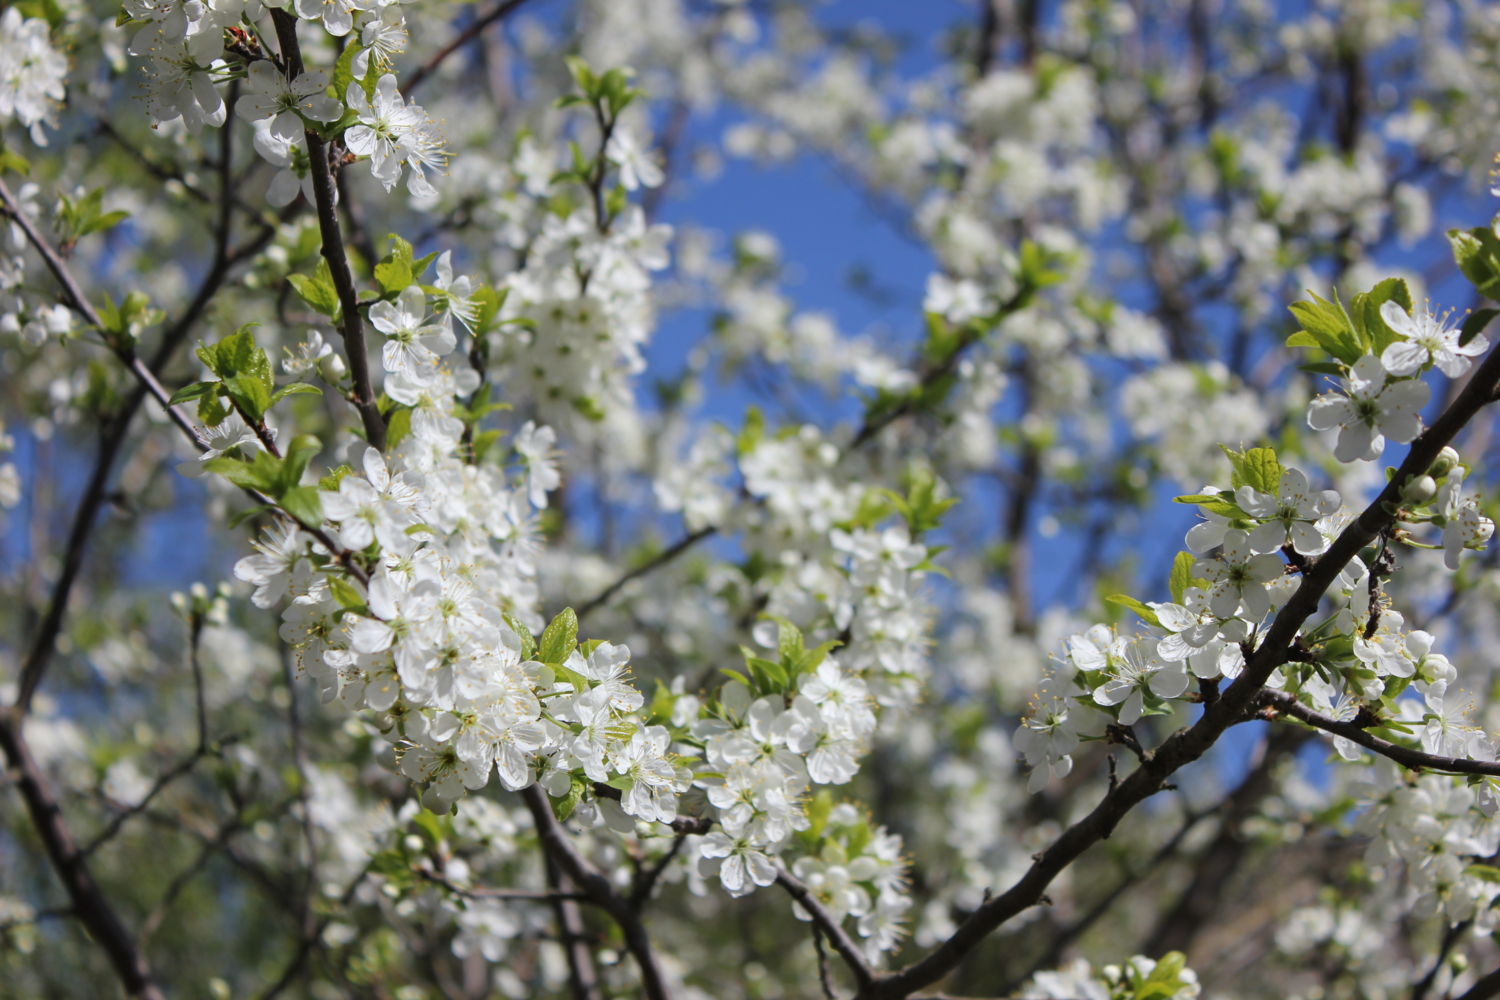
x=331, y=481
x=752, y=432
x=1323, y=368
x=343, y=70
x=343, y=591
x=559, y=638
x=10, y=160
x=528, y=644
x=245, y=515
x=1390, y=290
x=249, y=393
x=1256, y=468
x=394, y=272
x=296, y=388
x=317, y=290
x=1330, y=327
x=1485, y=873
x=769, y=677
x=1302, y=339
x=813, y=658
x=1477, y=252
x=563, y=808
x=303, y=503
x=298, y=454
x=1126, y=601
x=483, y=441
x=1182, y=575
x=191, y=392
x=1475, y=324
x=398, y=426
x=263, y=474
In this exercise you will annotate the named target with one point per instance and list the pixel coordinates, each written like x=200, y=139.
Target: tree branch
x=597, y=887
x=353, y=327
x=842, y=942
x=1284, y=704
x=463, y=38
x=660, y=559
x=1233, y=707
x=89, y=903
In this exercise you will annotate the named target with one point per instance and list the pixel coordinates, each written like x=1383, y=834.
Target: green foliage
x=1142, y=610
x=1182, y=576
x=1477, y=253
x=1256, y=468
x=921, y=508
x=1475, y=323
x=77, y=219
x=1327, y=325
x=398, y=269
x=278, y=478
x=124, y=323
x=559, y=639
x=608, y=92
x=317, y=290
x=245, y=378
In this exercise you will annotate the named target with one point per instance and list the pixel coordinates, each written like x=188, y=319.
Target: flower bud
x=1419, y=489
x=1444, y=463
x=333, y=369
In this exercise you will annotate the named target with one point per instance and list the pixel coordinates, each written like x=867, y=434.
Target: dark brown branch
x=299, y=760
x=463, y=38
x=647, y=878
x=583, y=978
x=1225, y=854
x=660, y=559
x=1060, y=939
x=598, y=888
x=837, y=936
x=353, y=326
x=1233, y=707
x=1486, y=988
x=89, y=903
x=485, y=892
x=1284, y=704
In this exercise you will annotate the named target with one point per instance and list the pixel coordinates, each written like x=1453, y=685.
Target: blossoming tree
x=519, y=682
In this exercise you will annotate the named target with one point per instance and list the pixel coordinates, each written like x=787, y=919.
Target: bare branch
x=583, y=978
x=463, y=38
x=598, y=888
x=842, y=942
x=89, y=903
x=660, y=559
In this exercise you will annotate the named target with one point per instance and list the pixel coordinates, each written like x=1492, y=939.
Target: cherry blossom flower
x=1428, y=338
x=1289, y=516
x=1370, y=412
x=269, y=95
x=1239, y=576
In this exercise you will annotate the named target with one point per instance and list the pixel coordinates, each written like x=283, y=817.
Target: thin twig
x=1285, y=704
x=842, y=942
x=824, y=978
x=599, y=889
x=463, y=38
x=89, y=903
x=660, y=559
x=583, y=978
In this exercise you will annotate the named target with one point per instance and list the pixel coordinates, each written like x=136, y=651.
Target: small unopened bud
x=1419, y=489
x=1444, y=463
x=333, y=369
